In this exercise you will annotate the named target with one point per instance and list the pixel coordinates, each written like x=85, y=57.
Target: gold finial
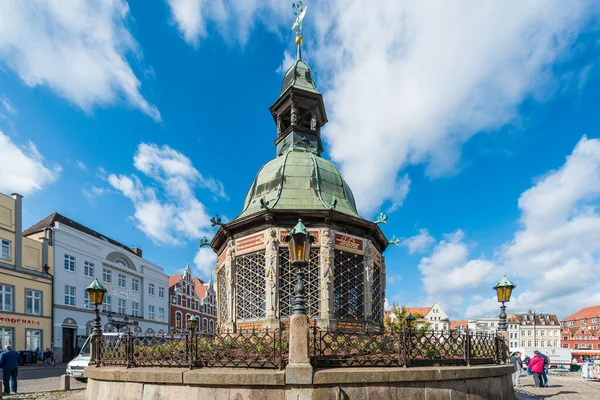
x=299, y=11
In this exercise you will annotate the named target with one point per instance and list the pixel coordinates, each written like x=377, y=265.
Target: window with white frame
x=33, y=302
x=6, y=298
x=135, y=284
x=5, y=249
x=86, y=299
x=33, y=339
x=6, y=336
x=151, y=289
x=122, y=280
x=122, y=306
x=121, y=262
x=150, y=312
x=135, y=309
x=107, y=275
x=69, y=263
x=161, y=292
x=161, y=314
x=106, y=304
x=70, y=295
x=88, y=269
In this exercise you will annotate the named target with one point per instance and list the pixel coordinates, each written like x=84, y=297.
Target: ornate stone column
x=326, y=263
x=230, y=276
x=271, y=268
x=368, y=285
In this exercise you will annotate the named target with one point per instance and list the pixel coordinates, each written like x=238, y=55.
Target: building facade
x=26, y=270
x=580, y=331
x=484, y=325
x=435, y=316
x=538, y=329
x=135, y=287
x=190, y=296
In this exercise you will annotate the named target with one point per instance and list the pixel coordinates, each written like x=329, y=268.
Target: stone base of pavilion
x=475, y=382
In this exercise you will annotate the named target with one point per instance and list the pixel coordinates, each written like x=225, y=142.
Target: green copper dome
x=300, y=77
x=299, y=180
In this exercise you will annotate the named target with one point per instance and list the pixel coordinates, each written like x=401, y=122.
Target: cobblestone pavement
x=45, y=389
x=570, y=387
x=60, y=395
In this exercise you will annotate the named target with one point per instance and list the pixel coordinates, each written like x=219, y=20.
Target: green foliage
x=396, y=324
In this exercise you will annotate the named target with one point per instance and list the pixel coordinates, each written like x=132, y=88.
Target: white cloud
x=23, y=169
x=419, y=243
x=167, y=212
x=8, y=105
x=391, y=279
x=553, y=257
x=447, y=272
x=286, y=63
x=78, y=49
x=232, y=18
x=93, y=193
x=408, y=83
x=205, y=261
x=81, y=165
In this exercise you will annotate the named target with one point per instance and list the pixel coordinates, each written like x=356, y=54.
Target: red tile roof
x=200, y=288
x=174, y=280
x=461, y=323
x=584, y=313
x=418, y=310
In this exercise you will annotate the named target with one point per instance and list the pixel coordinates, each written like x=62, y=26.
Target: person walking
x=517, y=363
x=9, y=362
x=536, y=366
x=545, y=371
x=526, y=361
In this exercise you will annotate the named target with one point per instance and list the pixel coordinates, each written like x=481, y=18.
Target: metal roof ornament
x=394, y=240
x=204, y=242
x=216, y=220
x=299, y=11
x=381, y=219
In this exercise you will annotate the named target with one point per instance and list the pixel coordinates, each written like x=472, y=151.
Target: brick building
x=191, y=296
x=580, y=331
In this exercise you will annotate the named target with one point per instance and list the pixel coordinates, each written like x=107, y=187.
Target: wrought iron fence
x=252, y=349
x=406, y=348
x=269, y=349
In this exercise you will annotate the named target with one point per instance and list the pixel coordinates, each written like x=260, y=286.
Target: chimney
x=18, y=229
x=137, y=251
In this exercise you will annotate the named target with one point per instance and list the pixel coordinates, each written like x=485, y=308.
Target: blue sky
x=475, y=127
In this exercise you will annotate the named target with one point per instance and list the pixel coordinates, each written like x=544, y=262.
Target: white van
x=76, y=366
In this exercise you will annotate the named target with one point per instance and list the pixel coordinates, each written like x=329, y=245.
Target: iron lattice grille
x=348, y=285
x=376, y=296
x=250, y=285
x=223, y=296
x=287, y=280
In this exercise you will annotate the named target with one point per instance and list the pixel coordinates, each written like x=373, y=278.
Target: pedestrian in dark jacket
x=9, y=362
x=536, y=366
x=515, y=359
x=545, y=371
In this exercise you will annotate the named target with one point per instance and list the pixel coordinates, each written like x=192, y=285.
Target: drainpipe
x=45, y=244
x=18, y=229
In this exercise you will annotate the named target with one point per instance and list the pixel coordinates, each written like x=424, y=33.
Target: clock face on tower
x=174, y=300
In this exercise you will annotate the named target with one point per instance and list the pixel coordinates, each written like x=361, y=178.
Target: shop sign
x=283, y=233
x=250, y=243
x=347, y=242
x=222, y=257
x=349, y=326
x=248, y=326
x=19, y=321
x=376, y=256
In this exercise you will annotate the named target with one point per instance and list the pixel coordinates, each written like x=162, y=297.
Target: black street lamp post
x=96, y=295
x=503, y=290
x=299, y=241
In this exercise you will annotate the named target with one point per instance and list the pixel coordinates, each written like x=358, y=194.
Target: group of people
x=537, y=366
x=48, y=357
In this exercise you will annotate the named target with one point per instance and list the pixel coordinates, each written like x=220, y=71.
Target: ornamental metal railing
x=406, y=348
x=270, y=349
x=248, y=349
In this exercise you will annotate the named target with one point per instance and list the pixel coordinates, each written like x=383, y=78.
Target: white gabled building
x=484, y=325
x=135, y=287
